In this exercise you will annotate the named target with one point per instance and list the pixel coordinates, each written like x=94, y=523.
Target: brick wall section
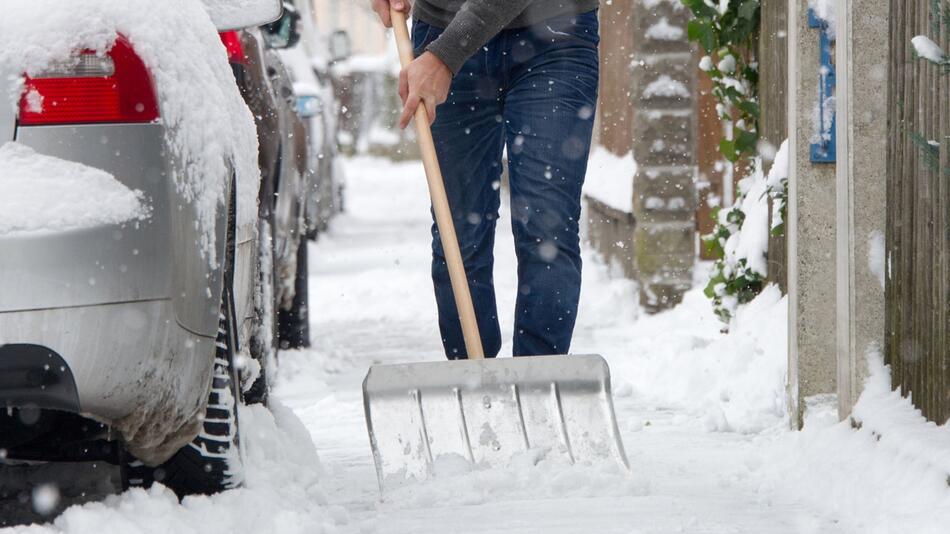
x=664, y=142
x=711, y=164
x=615, y=107
x=610, y=231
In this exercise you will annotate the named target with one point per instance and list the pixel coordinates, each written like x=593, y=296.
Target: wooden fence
x=772, y=54
x=918, y=193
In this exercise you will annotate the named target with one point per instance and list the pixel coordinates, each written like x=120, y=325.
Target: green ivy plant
x=731, y=283
x=727, y=32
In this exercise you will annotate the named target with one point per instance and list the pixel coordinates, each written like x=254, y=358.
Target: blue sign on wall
x=824, y=151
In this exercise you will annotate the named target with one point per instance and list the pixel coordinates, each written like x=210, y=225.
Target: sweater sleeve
x=474, y=25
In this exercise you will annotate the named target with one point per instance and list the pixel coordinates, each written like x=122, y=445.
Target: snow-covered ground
x=373, y=303
x=701, y=414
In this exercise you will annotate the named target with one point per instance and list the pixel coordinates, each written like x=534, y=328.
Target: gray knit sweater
x=469, y=24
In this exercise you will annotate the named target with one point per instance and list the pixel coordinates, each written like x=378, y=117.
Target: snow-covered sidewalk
x=373, y=302
x=701, y=413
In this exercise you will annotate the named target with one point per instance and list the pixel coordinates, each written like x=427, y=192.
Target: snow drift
x=281, y=492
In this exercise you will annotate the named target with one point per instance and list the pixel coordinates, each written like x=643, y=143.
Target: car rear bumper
x=131, y=309
x=129, y=365
x=31, y=375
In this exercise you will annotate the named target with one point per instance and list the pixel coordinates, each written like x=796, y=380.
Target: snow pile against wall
x=208, y=124
x=928, y=49
x=777, y=182
x=281, y=493
x=610, y=179
x=877, y=256
x=751, y=241
x=43, y=193
x=887, y=475
x=680, y=359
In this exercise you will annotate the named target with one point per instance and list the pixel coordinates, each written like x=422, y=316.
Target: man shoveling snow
x=521, y=75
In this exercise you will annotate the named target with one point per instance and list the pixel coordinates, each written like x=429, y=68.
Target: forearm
x=474, y=25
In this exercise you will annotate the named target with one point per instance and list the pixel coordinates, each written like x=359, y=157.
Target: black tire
x=212, y=462
x=294, y=324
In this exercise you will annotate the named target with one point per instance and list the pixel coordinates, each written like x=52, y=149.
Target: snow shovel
x=481, y=411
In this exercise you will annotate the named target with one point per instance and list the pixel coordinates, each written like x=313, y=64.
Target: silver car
x=122, y=342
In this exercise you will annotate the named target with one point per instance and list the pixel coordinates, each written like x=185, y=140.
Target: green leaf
x=701, y=31
x=749, y=107
x=746, y=142
x=749, y=9
x=714, y=281
x=728, y=149
x=700, y=9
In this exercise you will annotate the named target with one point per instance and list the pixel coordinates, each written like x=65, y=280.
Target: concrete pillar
x=861, y=186
x=811, y=229
x=664, y=145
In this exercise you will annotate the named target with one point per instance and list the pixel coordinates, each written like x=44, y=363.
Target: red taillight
x=116, y=87
x=232, y=43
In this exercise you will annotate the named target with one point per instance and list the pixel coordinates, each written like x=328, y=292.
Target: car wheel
x=212, y=462
x=294, y=324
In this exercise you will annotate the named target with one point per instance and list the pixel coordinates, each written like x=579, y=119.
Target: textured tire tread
x=204, y=465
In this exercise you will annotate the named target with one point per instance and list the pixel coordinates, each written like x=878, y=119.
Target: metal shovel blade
x=486, y=411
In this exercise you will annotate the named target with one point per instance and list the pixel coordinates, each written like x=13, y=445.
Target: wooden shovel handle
x=440, y=204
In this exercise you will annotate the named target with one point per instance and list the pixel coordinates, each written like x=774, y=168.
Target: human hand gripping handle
x=425, y=80
x=382, y=7
x=440, y=204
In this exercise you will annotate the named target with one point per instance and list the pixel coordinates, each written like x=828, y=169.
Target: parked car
x=309, y=62
x=121, y=339
x=268, y=92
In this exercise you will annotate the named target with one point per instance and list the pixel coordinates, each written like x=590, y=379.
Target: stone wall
x=861, y=184
x=648, y=106
x=610, y=232
x=812, y=363
x=664, y=135
x=837, y=211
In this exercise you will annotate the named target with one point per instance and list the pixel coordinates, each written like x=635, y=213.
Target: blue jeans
x=534, y=91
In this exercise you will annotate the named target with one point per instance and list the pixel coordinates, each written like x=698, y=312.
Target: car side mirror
x=309, y=106
x=283, y=32
x=237, y=14
x=339, y=45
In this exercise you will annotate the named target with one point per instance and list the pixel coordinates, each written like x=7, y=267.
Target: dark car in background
x=309, y=62
x=285, y=180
